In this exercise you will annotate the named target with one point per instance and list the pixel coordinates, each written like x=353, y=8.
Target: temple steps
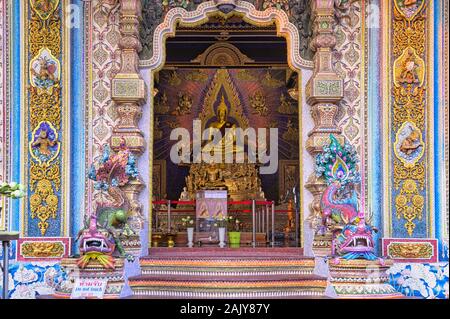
x=227, y=273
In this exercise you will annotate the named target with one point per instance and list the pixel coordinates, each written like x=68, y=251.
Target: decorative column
x=323, y=92
x=129, y=93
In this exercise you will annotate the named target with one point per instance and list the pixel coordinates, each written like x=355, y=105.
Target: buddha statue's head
x=222, y=110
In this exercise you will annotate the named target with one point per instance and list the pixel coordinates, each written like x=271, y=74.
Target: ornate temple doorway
x=217, y=68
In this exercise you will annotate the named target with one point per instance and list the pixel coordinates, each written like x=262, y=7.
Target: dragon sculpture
x=352, y=235
x=107, y=223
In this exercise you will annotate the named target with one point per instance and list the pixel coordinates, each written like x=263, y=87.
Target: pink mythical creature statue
x=109, y=217
x=352, y=236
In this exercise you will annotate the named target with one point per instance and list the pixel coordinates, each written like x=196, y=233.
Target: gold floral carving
x=408, y=34
x=44, y=180
x=45, y=34
x=39, y=249
x=401, y=173
x=44, y=106
x=409, y=204
x=409, y=106
x=410, y=250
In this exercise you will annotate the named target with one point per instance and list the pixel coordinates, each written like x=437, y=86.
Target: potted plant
x=12, y=190
x=234, y=233
x=188, y=223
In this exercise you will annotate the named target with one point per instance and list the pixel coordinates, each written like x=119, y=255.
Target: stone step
x=227, y=273
x=227, y=286
x=216, y=262
x=217, y=266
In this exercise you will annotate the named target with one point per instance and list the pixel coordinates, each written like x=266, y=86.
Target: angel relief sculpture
x=409, y=68
x=44, y=72
x=409, y=146
x=44, y=146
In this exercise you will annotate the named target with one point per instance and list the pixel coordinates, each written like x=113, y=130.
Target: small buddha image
x=184, y=194
x=408, y=3
x=409, y=69
x=219, y=211
x=222, y=118
x=184, y=104
x=409, y=7
x=204, y=213
x=261, y=194
x=411, y=143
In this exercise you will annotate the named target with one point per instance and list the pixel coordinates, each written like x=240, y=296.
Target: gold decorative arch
x=222, y=54
x=179, y=16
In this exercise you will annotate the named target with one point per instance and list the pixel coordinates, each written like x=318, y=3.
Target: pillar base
x=361, y=278
x=93, y=270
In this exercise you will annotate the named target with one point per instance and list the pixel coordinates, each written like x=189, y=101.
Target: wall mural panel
x=349, y=57
x=409, y=114
x=103, y=62
x=45, y=121
x=43, y=124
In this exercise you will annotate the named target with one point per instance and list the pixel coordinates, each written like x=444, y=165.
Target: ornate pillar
x=129, y=93
x=323, y=92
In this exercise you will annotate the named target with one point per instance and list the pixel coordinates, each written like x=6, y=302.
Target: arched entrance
x=181, y=18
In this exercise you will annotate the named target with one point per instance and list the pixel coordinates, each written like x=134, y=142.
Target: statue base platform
x=132, y=245
x=93, y=270
x=361, y=278
x=322, y=245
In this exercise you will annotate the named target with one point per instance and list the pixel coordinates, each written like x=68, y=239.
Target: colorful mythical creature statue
x=107, y=222
x=352, y=236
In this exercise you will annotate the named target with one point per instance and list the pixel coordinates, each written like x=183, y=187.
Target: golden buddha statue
x=213, y=176
x=222, y=116
x=240, y=179
x=227, y=132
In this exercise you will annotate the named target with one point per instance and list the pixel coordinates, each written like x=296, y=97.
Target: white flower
x=423, y=272
x=13, y=185
x=396, y=268
x=22, y=187
x=3, y=184
x=18, y=194
x=416, y=285
x=23, y=292
x=24, y=275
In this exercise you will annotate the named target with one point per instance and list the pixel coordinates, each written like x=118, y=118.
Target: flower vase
x=222, y=231
x=190, y=234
